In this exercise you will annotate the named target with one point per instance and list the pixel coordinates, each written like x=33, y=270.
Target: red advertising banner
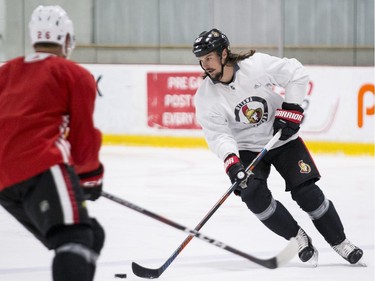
x=170, y=99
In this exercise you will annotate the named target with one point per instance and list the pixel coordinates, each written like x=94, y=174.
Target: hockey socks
x=74, y=262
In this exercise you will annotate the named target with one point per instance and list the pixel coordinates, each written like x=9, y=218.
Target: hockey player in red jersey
x=49, y=163
x=240, y=113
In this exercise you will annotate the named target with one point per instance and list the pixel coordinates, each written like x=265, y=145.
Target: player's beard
x=216, y=77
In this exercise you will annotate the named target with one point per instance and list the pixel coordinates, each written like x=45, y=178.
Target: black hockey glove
x=92, y=183
x=234, y=168
x=288, y=119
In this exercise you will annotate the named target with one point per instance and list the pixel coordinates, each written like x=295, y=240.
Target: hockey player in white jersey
x=239, y=113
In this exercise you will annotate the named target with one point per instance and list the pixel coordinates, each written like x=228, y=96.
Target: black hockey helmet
x=208, y=41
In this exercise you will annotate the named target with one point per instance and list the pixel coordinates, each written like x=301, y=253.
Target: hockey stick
x=284, y=256
x=155, y=273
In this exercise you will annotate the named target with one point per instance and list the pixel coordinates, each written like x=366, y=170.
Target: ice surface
x=183, y=185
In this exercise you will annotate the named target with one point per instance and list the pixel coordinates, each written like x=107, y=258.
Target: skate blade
x=314, y=259
x=361, y=263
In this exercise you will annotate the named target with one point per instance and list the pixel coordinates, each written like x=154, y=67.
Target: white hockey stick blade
x=288, y=253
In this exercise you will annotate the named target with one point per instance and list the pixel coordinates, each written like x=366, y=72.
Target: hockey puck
x=120, y=275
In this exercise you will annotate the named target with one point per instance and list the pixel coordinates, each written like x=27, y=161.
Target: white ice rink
x=183, y=185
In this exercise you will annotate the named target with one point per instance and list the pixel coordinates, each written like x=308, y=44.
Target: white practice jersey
x=240, y=115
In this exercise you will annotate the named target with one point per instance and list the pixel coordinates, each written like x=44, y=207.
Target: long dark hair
x=232, y=58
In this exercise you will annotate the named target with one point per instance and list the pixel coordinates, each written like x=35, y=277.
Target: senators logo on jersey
x=252, y=110
x=253, y=115
x=305, y=168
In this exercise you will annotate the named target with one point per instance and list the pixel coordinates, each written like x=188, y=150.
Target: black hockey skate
x=349, y=251
x=306, y=251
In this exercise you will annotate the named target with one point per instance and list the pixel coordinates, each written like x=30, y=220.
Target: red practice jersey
x=46, y=117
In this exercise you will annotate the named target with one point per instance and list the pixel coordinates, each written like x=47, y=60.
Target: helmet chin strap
x=67, y=47
x=67, y=51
